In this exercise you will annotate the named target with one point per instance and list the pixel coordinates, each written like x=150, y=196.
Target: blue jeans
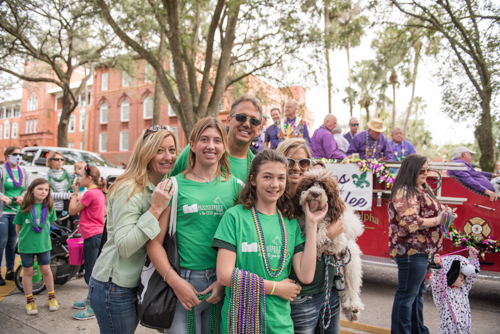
x=90, y=252
x=115, y=307
x=8, y=240
x=201, y=280
x=306, y=312
x=28, y=260
x=407, y=310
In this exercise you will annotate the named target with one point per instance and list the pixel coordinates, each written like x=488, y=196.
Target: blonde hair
x=137, y=173
x=78, y=164
x=294, y=144
x=51, y=156
x=198, y=129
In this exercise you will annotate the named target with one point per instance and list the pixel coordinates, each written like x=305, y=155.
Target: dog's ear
x=305, y=183
x=336, y=205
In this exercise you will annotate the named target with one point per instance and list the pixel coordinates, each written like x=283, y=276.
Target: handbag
x=156, y=299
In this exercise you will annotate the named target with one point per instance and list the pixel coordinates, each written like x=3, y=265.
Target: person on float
x=292, y=126
x=372, y=143
x=271, y=139
x=323, y=145
x=400, y=146
x=353, y=129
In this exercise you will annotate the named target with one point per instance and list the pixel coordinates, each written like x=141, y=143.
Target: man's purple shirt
x=358, y=145
x=323, y=145
x=272, y=136
x=478, y=181
x=349, y=136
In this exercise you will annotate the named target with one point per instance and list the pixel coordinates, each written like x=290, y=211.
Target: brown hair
x=29, y=199
x=95, y=174
x=248, y=195
x=9, y=150
x=199, y=127
x=51, y=156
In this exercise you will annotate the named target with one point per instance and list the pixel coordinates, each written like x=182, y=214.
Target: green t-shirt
x=239, y=167
x=237, y=233
x=318, y=283
x=11, y=190
x=200, y=207
x=31, y=242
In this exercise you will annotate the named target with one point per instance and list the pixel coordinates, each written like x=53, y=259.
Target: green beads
x=214, y=316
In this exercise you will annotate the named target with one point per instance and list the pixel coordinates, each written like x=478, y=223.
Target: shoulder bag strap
x=173, y=210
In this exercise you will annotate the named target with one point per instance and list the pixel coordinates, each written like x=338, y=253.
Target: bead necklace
x=247, y=304
x=368, y=149
x=214, y=316
x=396, y=152
x=206, y=180
x=52, y=179
x=17, y=183
x=272, y=272
x=43, y=219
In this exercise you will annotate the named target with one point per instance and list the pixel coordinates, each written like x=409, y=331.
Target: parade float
x=366, y=186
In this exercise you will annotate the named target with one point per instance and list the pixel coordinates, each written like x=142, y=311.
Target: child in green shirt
x=33, y=230
x=258, y=241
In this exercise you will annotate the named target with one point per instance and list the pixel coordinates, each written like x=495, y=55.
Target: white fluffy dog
x=317, y=188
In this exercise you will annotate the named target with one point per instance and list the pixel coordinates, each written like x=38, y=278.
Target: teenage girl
x=33, y=230
x=260, y=235
x=92, y=209
x=205, y=191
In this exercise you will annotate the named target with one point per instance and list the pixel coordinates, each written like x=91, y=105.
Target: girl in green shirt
x=263, y=241
x=205, y=191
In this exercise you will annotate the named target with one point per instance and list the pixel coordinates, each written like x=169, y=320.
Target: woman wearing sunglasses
x=13, y=181
x=306, y=308
x=135, y=202
x=60, y=182
x=414, y=235
x=206, y=191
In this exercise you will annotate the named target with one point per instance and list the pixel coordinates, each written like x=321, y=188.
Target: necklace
x=201, y=177
x=17, y=183
x=368, y=149
x=272, y=272
x=43, y=219
x=52, y=179
x=396, y=152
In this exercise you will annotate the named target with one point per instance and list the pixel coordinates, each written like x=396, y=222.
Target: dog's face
x=318, y=187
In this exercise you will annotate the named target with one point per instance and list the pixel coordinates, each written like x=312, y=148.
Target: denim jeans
x=8, y=240
x=90, y=252
x=115, y=307
x=201, y=280
x=407, y=310
x=306, y=312
x=28, y=260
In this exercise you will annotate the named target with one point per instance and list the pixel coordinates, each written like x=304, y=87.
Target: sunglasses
x=57, y=159
x=156, y=128
x=18, y=154
x=303, y=163
x=354, y=124
x=423, y=171
x=243, y=118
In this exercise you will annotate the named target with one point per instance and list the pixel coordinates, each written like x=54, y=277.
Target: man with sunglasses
x=353, y=125
x=323, y=145
x=243, y=123
x=372, y=143
x=293, y=126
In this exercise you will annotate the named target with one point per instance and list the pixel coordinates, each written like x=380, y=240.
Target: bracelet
x=274, y=286
x=165, y=276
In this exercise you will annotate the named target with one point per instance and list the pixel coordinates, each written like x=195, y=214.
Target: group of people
x=234, y=223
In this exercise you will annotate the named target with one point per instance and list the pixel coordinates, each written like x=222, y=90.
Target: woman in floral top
x=414, y=234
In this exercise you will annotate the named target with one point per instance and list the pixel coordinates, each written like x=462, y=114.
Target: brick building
x=119, y=108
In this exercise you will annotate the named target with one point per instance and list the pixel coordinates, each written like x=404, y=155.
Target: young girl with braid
x=258, y=241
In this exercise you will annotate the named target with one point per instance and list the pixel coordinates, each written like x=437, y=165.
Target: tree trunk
x=69, y=104
x=394, y=80
x=484, y=135
x=158, y=89
x=349, y=75
x=327, y=55
x=417, y=46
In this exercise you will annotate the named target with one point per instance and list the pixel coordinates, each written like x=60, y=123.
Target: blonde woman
x=206, y=191
x=135, y=203
x=60, y=181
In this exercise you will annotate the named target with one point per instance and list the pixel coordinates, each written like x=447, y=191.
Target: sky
x=443, y=129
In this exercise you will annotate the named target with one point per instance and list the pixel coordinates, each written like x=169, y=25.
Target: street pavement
x=379, y=286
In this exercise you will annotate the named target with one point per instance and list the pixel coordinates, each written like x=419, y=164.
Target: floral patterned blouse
x=405, y=218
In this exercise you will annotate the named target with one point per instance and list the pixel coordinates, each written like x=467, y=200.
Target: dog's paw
x=352, y=309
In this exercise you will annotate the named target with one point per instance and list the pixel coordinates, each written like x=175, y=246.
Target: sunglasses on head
x=424, y=170
x=57, y=159
x=243, y=118
x=18, y=154
x=354, y=124
x=303, y=163
x=156, y=128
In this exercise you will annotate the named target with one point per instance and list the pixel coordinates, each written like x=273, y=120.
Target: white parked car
x=35, y=157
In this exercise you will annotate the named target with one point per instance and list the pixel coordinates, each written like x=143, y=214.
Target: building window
x=17, y=111
x=221, y=107
x=148, y=107
x=82, y=121
x=125, y=79
x=71, y=145
x=58, y=103
x=81, y=145
x=124, y=141
x=148, y=73
x=32, y=102
x=27, y=128
x=104, y=113
x=2, y=112
x=9, y=113
x=176, y=130
x=125, y=110
x=72, y=124
x=103, y=142
x=14, y=130
x=59, y=117
x=104, y=81
x=6, y=131
x=35, y=125
x=30, y=128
